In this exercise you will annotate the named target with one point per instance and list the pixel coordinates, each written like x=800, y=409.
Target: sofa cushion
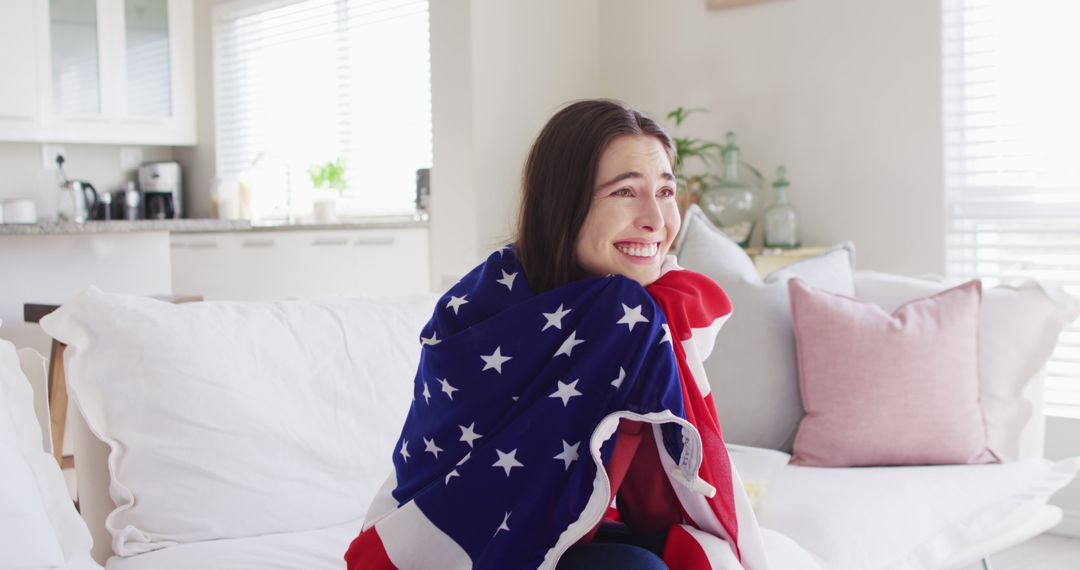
x=757, y=468
x=319, y=549
x=38, y=521
x=752, y=369
x=229, y=419
x=881, y=389
x=1018, y=330
x=903, y=517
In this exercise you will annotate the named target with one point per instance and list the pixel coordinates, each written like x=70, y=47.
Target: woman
x=565, y=371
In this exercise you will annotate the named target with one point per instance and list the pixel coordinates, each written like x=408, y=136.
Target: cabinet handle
x=203, y=245
x=381, y=240
x=258, y=243
x=330, y=241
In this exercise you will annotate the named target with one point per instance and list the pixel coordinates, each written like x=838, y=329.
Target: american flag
x=515, y=405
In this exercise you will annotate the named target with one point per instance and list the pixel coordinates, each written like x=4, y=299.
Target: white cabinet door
x=291, y=264
x=105, y=71
x=19, y=68
x=202, y=266
x=394, y=264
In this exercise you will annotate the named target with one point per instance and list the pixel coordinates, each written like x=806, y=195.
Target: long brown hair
x=558, y=181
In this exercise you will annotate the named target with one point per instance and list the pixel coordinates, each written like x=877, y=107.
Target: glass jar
x=733, y=203
x=780, y=218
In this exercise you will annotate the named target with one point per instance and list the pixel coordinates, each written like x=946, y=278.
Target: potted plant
x=731, y=199
x=329, y=183
x=691, y=150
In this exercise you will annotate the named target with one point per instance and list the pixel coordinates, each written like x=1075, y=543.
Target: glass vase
x=781, y=229
x=733, y=203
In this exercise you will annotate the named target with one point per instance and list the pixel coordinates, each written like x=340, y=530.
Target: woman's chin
x=644, y=275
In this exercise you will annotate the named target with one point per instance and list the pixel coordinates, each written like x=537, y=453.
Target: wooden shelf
x=767, y=260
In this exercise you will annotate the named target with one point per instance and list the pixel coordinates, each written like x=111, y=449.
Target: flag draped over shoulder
x=516, y=404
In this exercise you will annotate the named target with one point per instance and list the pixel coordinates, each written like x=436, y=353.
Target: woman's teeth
x=638, y=251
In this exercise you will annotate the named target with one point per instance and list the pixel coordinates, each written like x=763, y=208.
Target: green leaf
x=330, y=175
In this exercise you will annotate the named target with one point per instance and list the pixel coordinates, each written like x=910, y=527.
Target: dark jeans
x=614, y=546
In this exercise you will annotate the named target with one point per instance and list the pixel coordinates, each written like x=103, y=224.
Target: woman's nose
x=649, y=216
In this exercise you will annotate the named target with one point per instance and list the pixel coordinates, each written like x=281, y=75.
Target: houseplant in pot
x=328, y=181
x=731, y=199
x=692, y=159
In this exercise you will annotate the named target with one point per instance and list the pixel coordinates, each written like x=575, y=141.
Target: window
x=302, y=83
x=1012, y=155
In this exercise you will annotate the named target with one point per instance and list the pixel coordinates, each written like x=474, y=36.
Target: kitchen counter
x=189, y=226
x=358, y=223
x=124, y=226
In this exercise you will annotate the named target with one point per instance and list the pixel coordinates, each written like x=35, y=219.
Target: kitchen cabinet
x=262, y=265
x=98, y=71
x=18, y=68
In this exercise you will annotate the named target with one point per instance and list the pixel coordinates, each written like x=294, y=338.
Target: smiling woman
x=598, y=197
x=559, y=374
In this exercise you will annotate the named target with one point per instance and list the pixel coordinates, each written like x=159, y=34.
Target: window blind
x=1012, y=155
x=305, y=82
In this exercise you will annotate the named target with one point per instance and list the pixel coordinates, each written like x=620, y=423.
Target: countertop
x=189, y=226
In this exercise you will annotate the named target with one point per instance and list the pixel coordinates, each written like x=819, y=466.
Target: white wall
x=500, y=69
x=198, y=162
x=845, y=93
x=23, y=176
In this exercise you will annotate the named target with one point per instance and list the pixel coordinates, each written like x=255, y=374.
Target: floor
x=1044, y=552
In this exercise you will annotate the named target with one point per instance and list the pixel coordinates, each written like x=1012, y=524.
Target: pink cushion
x=880, y=389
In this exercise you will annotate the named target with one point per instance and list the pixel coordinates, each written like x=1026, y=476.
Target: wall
x=199, y=162
x=499, y=71
x=23, y=176
x=845, y=93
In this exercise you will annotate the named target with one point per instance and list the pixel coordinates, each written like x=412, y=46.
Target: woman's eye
x=667, y=192
x=623, y=192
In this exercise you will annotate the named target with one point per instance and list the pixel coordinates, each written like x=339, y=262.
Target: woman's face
x=633, y=218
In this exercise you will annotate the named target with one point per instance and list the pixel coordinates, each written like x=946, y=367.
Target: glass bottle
x=780, y=218
x=733, y=203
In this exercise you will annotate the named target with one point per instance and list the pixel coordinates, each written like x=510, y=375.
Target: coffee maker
x=161, y=190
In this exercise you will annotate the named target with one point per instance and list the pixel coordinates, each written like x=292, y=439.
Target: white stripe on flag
x=751, y=545
x=412, y=541
x=383, y=503
x=698, y=347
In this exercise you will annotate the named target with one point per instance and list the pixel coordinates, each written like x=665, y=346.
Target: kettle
x=77, y=198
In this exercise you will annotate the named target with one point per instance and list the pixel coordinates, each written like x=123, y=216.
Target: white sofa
x=252, y=435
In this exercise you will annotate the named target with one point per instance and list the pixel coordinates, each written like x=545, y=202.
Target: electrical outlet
x=130, y=157
x=49, y=153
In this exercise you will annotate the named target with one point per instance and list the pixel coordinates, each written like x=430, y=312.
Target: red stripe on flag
x=690, y=299
x=367, y=553
x=682, y=551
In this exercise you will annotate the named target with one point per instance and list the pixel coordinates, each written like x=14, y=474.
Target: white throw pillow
x=38, y=522
x=757, y=468
x=232, y=419
x=1018, y=330
x=872, y=518
x=752, y=369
